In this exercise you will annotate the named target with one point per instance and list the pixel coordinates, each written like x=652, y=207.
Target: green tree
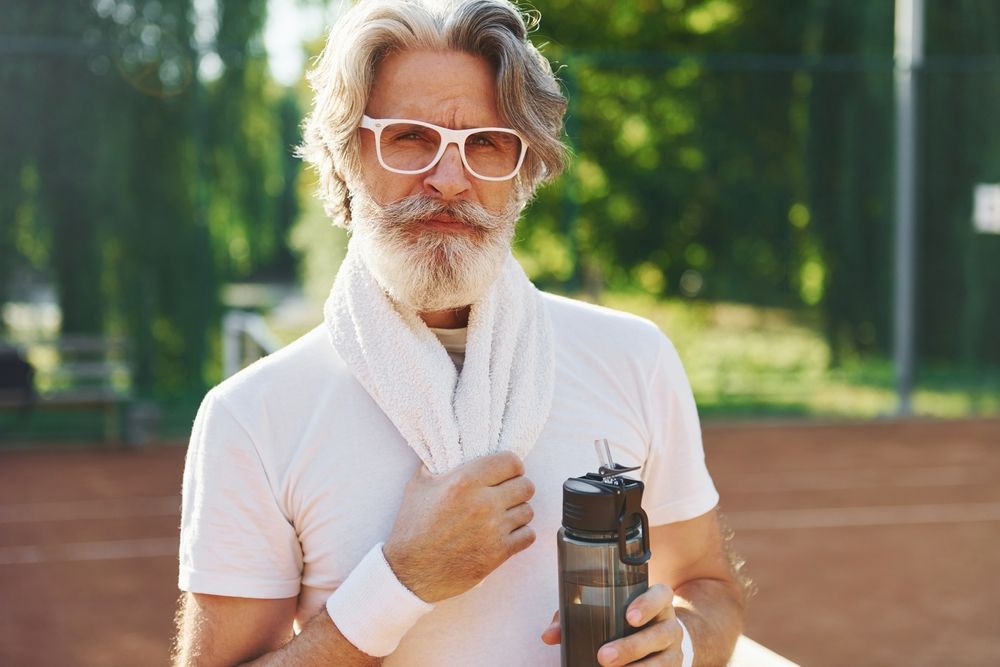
x=51, y=178
x=131, y=186
x=848, y=158
x=685, y=155
x=959, y=269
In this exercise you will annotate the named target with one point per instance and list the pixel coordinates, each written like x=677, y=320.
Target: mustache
x=416, y=209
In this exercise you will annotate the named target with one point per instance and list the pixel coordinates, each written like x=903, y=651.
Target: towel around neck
x=501, y=399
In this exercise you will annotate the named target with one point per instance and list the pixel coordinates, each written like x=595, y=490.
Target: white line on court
x=99, y=508
x=84, y=551
x=862, y=478
x=844, y=517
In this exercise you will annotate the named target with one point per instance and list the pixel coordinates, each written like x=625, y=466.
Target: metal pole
x=909, y=54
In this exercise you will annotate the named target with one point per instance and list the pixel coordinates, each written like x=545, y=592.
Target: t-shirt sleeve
x=678, y=486
x=235, y=539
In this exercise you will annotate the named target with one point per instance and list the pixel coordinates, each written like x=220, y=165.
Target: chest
x=345, y=483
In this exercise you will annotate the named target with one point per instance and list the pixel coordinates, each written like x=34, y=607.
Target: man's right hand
x=455, y=528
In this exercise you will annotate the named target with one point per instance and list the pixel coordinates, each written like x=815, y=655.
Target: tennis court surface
x=870, y=544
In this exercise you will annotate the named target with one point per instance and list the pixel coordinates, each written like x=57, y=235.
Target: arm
x=690, y=557
x=452, y=530
x=218, y=630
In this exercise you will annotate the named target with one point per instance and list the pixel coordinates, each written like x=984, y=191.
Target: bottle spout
x=608, y=469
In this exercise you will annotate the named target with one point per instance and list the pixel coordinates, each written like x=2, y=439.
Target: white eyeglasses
x=414, y=147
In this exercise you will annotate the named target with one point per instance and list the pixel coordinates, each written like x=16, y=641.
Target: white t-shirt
x=293, y=473
x=453, y=341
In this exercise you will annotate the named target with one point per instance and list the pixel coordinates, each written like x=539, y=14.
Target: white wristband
x=687, y=647
x=372, y=609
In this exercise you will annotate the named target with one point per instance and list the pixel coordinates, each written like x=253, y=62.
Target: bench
x=17, y=378
x=82, y=373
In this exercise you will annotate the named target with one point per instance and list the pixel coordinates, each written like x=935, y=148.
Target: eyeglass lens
x=409, y=147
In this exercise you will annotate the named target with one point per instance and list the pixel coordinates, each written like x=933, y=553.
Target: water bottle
x=603, y=548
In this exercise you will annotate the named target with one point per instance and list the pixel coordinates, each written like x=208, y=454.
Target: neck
x=453, y=318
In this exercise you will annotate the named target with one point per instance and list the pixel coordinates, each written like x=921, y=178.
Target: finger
x=495, y=468
x=654, y=638
x=553, y=633
x=514, y=492
x=422, y=473
x=519, y=515
x=655, y=603
x=519, y=540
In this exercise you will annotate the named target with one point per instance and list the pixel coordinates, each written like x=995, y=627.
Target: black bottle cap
x=592, y=504
x=601, y=504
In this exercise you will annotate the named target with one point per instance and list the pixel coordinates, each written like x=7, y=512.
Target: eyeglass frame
x=448, y=137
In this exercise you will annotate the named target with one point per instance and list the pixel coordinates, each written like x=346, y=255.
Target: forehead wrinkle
x=419, y=85
x=451, y=112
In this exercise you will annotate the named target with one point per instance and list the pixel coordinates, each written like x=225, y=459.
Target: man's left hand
x=660, y=640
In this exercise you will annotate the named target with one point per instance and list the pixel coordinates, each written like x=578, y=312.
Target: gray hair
x=528, y=95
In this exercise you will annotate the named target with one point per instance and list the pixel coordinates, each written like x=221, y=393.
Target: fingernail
x=608, y=655
x=634, y=617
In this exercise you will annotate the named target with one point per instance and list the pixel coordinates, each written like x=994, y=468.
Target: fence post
x=909, y=53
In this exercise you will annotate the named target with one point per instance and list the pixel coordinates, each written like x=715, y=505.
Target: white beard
x=429, y=270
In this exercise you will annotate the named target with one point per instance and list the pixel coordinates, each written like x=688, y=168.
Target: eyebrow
x=438, y=121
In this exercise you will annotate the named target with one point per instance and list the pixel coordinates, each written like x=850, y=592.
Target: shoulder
x=292, y=369
x=604, y=330
x=267, y=406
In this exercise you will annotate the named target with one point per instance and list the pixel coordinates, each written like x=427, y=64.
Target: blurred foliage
x=733, y=150
x=749, y=360
x=960, y=271
x=725, y=151
x=135, y=185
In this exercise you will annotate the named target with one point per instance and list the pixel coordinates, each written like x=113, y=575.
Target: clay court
x=870, y=544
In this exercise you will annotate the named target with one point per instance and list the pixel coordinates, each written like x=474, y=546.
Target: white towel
x=500, y=400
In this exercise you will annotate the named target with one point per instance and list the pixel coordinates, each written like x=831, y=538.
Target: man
x=362, y=496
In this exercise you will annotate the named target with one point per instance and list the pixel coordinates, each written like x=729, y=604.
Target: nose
x=448, y=178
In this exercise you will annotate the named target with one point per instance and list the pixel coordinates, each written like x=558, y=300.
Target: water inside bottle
x=595, y=612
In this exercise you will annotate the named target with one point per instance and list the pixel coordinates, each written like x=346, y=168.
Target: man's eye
x=480, y=140
x=408, y=135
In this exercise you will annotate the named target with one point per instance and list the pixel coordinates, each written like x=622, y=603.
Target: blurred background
x=734, y=179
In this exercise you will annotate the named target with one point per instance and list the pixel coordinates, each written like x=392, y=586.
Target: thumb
x=422, y=472
x=552, y=634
